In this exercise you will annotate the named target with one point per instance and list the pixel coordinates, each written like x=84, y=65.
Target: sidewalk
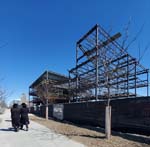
x=37, y=136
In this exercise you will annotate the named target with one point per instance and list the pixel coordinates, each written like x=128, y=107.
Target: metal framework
x=105, y=69
x=51, y=87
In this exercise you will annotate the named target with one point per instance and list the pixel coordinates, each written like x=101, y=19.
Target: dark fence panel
x=128, y=115
x=90, y=113
x=40, y=110
x=50, y=111
x=132, y=114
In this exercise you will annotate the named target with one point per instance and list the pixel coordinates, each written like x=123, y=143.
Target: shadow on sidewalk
x=9, y=129
x=8, y=120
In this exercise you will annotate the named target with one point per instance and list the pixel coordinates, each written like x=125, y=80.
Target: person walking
x=24, y=116
x=15, y=117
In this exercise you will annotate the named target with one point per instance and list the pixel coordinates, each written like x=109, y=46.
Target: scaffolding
x=105, y=69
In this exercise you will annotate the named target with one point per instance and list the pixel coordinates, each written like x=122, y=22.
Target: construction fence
x=130, y=114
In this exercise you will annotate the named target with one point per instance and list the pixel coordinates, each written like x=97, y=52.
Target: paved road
x=37, y=136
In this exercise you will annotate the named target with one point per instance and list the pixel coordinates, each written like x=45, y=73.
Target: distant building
x=24, y=99
x=16, y=101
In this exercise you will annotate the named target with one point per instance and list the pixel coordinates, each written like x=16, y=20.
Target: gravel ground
x=93, y=138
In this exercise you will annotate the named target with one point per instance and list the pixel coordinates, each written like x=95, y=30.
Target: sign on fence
x=58, y=111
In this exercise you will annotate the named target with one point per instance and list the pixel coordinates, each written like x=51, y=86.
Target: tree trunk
x=108, y=122
x=46, y=110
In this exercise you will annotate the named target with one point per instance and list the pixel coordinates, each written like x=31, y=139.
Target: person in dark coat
x=15, y=117
x=24, y=116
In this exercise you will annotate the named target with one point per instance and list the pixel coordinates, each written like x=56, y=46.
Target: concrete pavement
x=37, y=136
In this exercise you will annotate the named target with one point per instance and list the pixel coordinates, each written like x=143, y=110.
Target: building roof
x=50, y=75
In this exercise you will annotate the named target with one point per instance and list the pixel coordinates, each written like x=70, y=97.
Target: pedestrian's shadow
x=9, y=129
x=8, y=120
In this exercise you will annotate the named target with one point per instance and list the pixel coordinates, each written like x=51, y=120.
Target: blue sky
x=39, y=35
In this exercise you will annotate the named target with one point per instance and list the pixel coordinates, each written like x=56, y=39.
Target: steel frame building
x=105, y=69
x=49, y=86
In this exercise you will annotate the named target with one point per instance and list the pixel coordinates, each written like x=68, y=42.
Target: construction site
x=104, y=69
x=105, y=74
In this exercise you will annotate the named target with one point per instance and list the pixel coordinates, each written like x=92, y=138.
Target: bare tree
x=46, y=93
x=3, y=96
x=104, y=66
